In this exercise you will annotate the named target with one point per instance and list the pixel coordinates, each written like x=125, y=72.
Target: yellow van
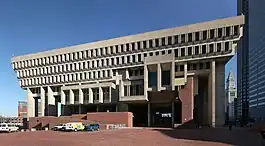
x=73, y=126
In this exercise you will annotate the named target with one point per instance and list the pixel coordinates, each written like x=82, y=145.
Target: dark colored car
x=92, y=127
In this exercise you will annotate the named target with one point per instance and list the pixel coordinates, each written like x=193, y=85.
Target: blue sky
x=32, y=26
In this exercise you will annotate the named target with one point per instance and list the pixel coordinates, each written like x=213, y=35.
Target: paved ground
x=134, y=137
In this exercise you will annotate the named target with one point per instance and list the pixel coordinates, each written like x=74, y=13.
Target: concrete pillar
x=31, y=104
x=100, y=95
x=71, y=96
x=173, y=76
x=62, y=97
x=51, y=99
x=173, y=114
x=121, y=88
x=149, y=114
x=81, y=96
x=211, y=96
x=145, y=80
x=185, y=72
x=42, y=101
x=220, y=94
x=90, y=95
x=110, y=94
x=159, y=85
x=80, y=109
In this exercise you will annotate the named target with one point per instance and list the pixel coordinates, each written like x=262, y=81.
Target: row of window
x=123, y=60
x=72, y=77
x=111, y=50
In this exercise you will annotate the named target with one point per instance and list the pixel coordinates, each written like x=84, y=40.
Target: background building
x=22, y=109
x=251, y=57
x=230, y=96
x=163, y=77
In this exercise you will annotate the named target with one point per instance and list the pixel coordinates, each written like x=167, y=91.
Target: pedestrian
x=230, y=126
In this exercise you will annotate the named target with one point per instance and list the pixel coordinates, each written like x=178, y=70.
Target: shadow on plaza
x=236, y=137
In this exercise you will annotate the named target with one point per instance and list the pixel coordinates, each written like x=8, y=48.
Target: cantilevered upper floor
x=99, y=60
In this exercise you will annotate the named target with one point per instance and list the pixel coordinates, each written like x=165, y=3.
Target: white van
x=4, y=127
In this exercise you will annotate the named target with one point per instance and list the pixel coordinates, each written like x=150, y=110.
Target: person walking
x=230, y=126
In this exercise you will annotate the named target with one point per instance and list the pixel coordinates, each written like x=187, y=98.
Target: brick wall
x=102, y=118
x=186, y=97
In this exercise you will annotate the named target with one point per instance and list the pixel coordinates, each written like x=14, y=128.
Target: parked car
x=4, y=127
x=73, y=126
x=92, y=127
x=58, y=127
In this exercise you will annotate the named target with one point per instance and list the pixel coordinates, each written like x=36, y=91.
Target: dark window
x=183, y=38
x=150, y=43
x=182, y=52
x=151, y=54
x=201, y=65
x=133, y=46
x=218, y=47
x=139, y=57
x=189, y=51
x=127, y=47
x=211, y=48
x=121, y=48
x=163, y=41
x=176, y=68
x=220, y=32
x=139, y=45
x=111, y=49
x=194, y=66
x=144, y=44
x=188, y=67
x=157, y=53
x=226, y=46
x=197, y=36
x=169, y=41
x=145, y=54
x=128, y=59
x=204, y=35
x=211, y=33
x=236, y=30
x=189, y=37
x=112, y=61
x=163, y=52
x=176, y=39
x=227, y=31
x=169, y=51
x=116, y=47
x=133, y=58
x=157, y=42
x=208, y=66
x=196, y=49
x=117, y=60
x=203, y=49
x=181, y=68
x=176, y=52
x=123, y=59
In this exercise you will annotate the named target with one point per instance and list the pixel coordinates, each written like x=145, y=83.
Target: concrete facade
x=151, y=69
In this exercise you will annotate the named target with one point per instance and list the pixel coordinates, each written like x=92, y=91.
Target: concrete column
x=173, y=76
x=51, y=99
x=100, y=95
x=185, y=72
x=121, y=88
x=81, y=96
x=220, y=94
x=211, y=96
x=145, y=80
x=173, y=114
x=42, y=102
x=62, y=97
x=71, y=96
x=159, y=85
x=149, y=114
x=110, y=94
x=31, y=104
x=90, y=95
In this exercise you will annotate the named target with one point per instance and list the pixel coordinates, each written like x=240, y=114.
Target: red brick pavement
x=132, y=137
